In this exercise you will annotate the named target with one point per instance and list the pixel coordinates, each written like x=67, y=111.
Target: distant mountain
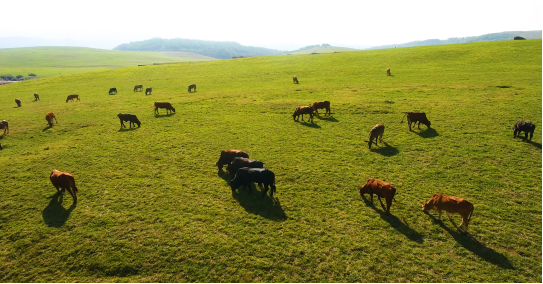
x=18, y=41
x=216, y=49
x=324, y=48
x=455, y=40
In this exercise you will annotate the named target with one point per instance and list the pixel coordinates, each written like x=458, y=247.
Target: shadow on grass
x=386, y=151
x=123, y=129
x=396, y=223
x=55, y=215
x=473, y=245
x=309, y=124
x=327, y=118
x=428, y=133
x=46, y=128
x=535, y=144
x=254, y=203
x=226, y=177
x=163, y=115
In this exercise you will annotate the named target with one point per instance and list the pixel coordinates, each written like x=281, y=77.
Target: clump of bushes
x=518, y=38
x=18, y=77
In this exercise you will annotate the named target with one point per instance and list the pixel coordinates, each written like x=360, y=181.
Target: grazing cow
x=301, y=110
x=112, y=90
x=414, y=117
x=36, y=97
x=240, y=162
x=227, y=156
x=451, y=204
x=165, y=105
x=72, y=97
x=388, y=71
x=317, y=105
x=148, y=91
x=138, y=87
x=18, y=102
x=49, y=117
x=246, y=177
x=192, y=87
x=128, y=117
x=381, y=189
x=64, y=181
x=376, y=132
x=295, y=80
x=4, y=125
x=524, y=126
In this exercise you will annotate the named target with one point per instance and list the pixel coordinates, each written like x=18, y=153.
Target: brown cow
x=227, y=156
x=138, y=87
x=451, y=204
x=165, y=105
x=192, y=87
x=4, y=125
x=64, y=181
x=317, y=105
x=526, y=127
x=388, y=71
x=414, y=117
x=72, y=97
x=295, y=80
x=49, y=117
x=381, y=189
x=36, y=97
x=18, y=102
x=301, y=110
x=376, y=132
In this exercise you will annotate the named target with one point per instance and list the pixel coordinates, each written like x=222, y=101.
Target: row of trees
x=18, y=77
x=216, y=49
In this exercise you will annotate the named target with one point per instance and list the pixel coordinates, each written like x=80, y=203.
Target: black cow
x=193, y=87
x=128, y=117
x=240, y=162
x=148, y=90
x=18, y=102
x=138, y=87
x=524, y=126
x=246, y=176
x=112, y=90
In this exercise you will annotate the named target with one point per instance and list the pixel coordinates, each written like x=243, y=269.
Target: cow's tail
x=471, y=213
x=273, y=189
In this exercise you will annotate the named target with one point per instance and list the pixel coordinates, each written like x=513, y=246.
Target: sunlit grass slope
x=53, y=61
x=152, y=206
x=324, y=49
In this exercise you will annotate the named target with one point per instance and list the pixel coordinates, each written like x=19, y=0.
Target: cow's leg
x=302, y=117
x=317, y=112
x=409, y=123
x=389, y=203
x=531, y=134
x=525, y=135
x=449, y=215
x=266, y=190
x=418, y=125
x=382, y=205
x=72, y=193
x=439, y=211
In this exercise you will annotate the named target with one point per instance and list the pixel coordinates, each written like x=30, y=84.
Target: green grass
x=54, y=61
x=153, y=208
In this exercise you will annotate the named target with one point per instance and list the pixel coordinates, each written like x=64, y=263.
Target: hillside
x=53, y=61
x=321, y=49
x=456, y=40
x=216, y=49
x=153, y=207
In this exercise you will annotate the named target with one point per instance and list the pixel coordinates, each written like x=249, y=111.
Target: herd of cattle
x=245, y=172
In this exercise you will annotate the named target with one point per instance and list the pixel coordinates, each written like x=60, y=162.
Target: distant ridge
x=456, y=40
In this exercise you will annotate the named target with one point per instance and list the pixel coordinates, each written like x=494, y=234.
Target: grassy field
x=153, y=207
x=53, y=61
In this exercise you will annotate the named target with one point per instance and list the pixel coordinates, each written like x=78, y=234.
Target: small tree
x=20, y=77
x=31, y=75
x=518, y=38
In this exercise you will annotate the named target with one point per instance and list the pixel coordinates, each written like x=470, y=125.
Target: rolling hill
x=153, y=207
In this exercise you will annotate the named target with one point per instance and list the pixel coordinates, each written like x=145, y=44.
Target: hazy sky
x=267, y=23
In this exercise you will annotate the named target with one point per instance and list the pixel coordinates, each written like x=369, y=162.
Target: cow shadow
x=396, y=223
x=163, y=115
x=327, y=118
x=264, y=206
x=225, y=176
x=386, y=151
x=46, y=128
x=55, y=215
x=309, y=124
x=473, y=245
x=535, y=144
x=428, y=133
x=124, y=129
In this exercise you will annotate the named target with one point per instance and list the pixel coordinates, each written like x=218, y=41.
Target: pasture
x=47, y=61
x=152, y=206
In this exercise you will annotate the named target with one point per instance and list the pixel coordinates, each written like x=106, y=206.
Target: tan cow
x=381, y=189
x=72, y=97
x=325, y=105
x=49, y=117
x=36, y=97
x=301, y=110
x=64, y=181
x=376, y=132
x=451, y=204
x=4, y=125
x=295, y=80
x=388, y=71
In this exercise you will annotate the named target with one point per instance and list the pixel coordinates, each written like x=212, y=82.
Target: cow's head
x=427, y=206
x=428, y=123
x=234, y=183
x=364, y=189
